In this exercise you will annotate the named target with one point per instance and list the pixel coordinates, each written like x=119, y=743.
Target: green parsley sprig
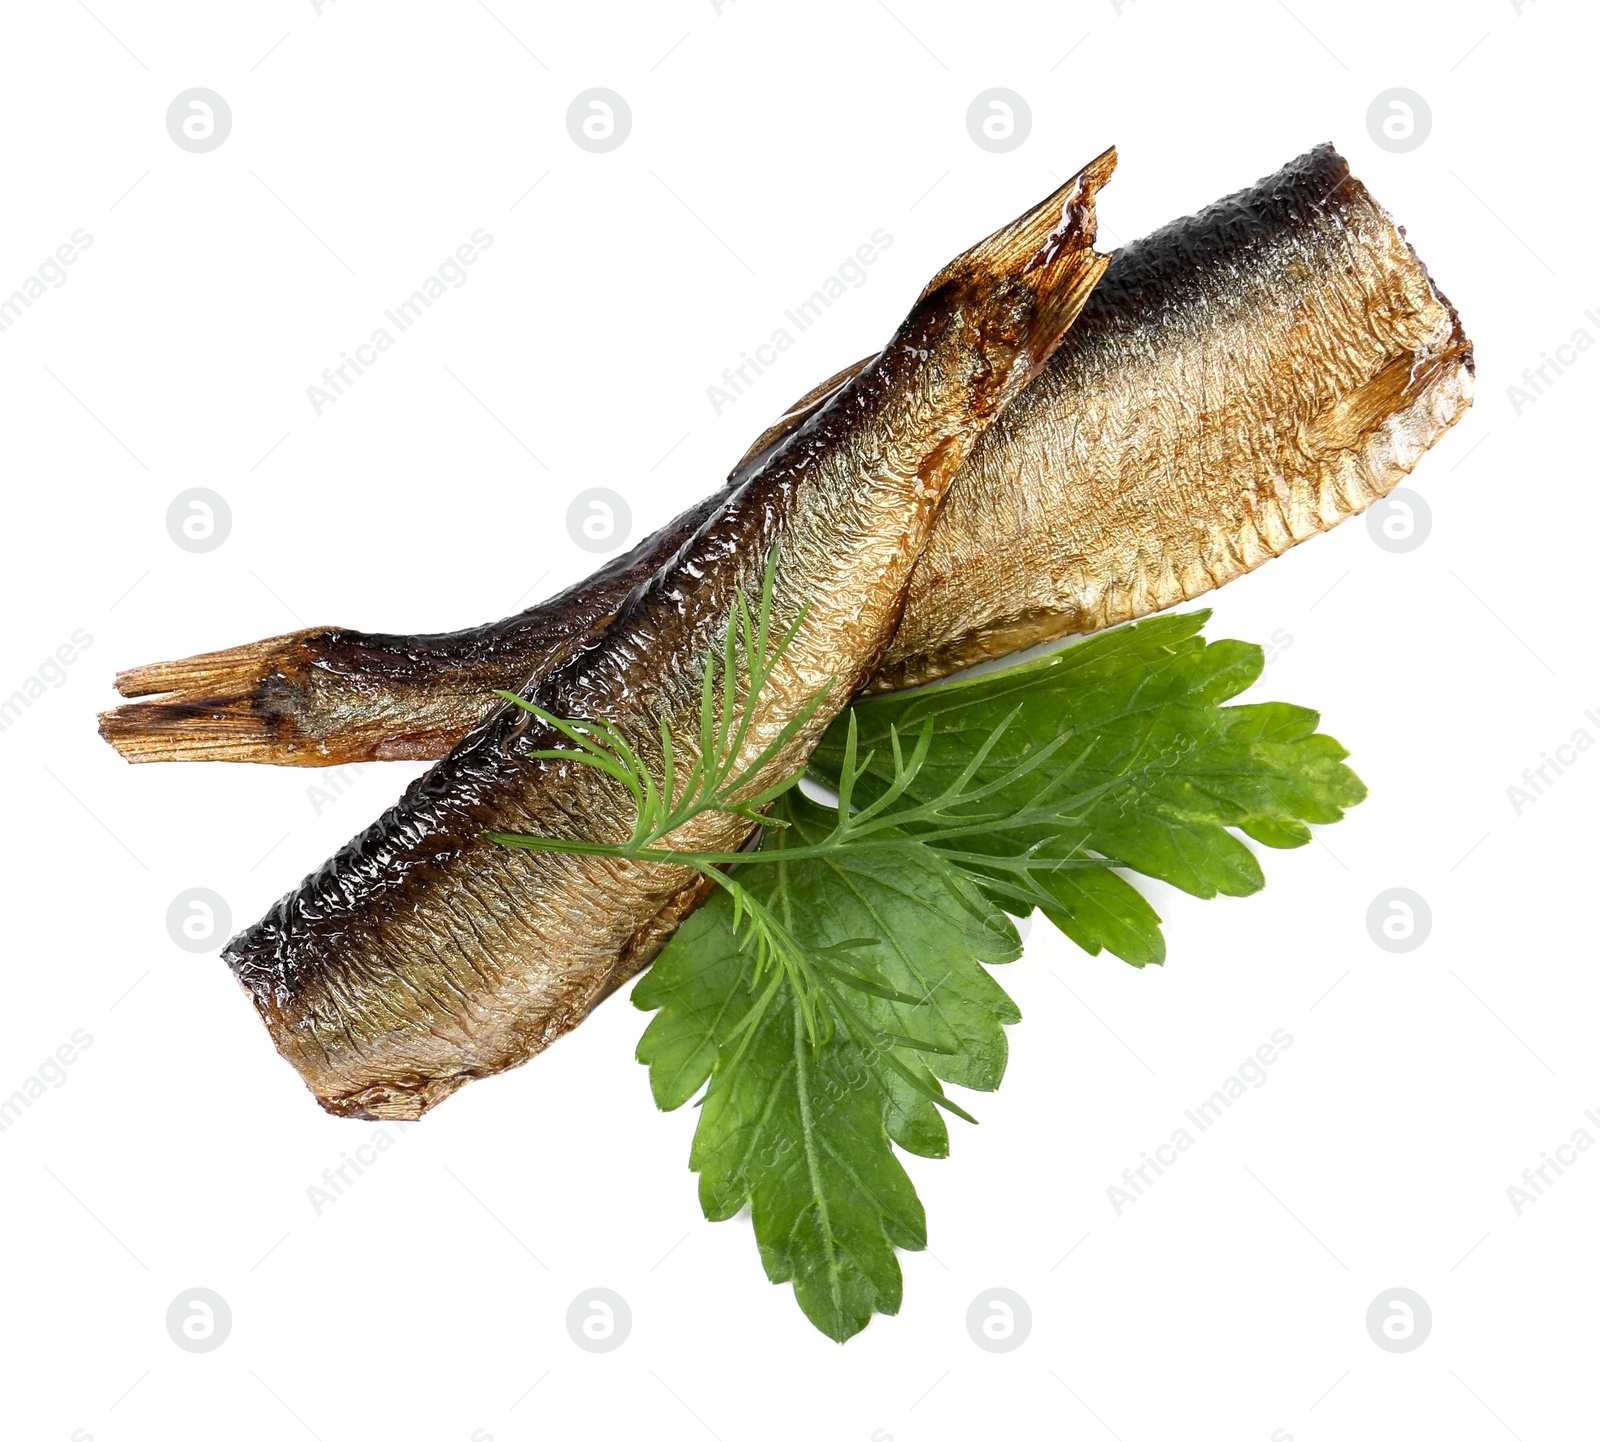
x=822, y=999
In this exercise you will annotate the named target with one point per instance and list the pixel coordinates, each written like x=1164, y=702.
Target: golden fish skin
x=425, y=955
x=1238, y=381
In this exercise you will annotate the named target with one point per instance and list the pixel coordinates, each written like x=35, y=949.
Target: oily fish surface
x=1241, y=381
x=424, y=954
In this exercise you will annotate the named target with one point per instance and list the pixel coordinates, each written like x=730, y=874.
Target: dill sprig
x=720, y=780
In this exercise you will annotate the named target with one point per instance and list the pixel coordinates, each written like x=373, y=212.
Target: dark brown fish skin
x=424, y=955
x=1048, y=529
x=328, y=695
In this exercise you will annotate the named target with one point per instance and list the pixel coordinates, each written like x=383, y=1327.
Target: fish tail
x=1063, y=221
x=1049, y=250
x=279, y=700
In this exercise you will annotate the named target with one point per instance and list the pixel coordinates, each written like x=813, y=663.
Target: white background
x=767, y=143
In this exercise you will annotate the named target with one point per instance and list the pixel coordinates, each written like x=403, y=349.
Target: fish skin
x=1210, y=410
x=1075, y=511
x=424, y=955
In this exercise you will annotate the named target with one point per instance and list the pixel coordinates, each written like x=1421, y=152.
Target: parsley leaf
x=802, y=1131
x=1173, y=768
x=1117, y=752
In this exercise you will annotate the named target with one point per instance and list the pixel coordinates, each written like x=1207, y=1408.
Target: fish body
x=1238, y=381
x=425, y=954
x=1241, y=381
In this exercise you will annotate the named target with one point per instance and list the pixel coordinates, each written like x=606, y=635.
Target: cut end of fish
x=386, y=1011
x=330, y=1063
x=391, y=1103
x=339, y=1088
x=406, y=1096
x=1301, y=291
x=1371, y=438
